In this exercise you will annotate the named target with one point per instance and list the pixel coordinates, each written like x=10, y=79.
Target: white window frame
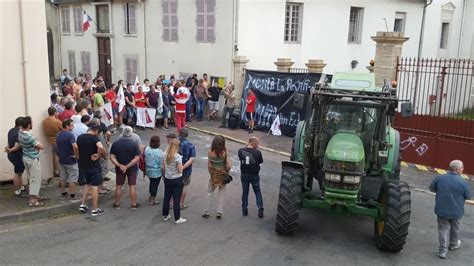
x=71, y=57
x=356, y=21
x=127, y=22
x=129, y=74
x=77, y=19
x=206, y=28
x=401, y=16
x=293, y=26
x=444, y=36
x=168, y=17
x=65, y=20
x=86, y=62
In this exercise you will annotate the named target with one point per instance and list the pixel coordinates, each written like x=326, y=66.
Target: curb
x=238, y=140
x=432, y=169
x=47, y=211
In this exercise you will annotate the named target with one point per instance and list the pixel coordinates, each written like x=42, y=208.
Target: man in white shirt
x=81, y=128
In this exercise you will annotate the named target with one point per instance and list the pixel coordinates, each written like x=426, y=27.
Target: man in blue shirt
x=188, y=151
x=451, y=192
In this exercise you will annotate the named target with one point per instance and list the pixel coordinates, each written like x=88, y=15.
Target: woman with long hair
x=173, y=181
x=218, y=165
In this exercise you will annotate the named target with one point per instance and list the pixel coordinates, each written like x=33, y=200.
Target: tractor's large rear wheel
x=392, y=231
x=289, y=200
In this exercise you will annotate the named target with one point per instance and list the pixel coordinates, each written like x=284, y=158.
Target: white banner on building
x=146, y=117
x=107, y=114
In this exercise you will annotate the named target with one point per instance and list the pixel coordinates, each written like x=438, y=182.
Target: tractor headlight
x=333, y=177
x=352, y=179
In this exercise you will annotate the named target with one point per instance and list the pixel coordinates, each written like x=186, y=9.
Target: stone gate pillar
x=283, y=64
x=315, y=66
x=388, y=50
x=240, y=65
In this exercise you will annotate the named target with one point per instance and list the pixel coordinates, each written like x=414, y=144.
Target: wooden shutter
x=200, y=35
x=125, y=18
x=72, y=63
x=86, y=62
x=174, y=20
x=132, y=19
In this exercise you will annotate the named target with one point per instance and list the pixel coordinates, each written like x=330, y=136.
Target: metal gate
x=442, y=96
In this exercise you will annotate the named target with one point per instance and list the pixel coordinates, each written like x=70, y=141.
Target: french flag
x=86, y=22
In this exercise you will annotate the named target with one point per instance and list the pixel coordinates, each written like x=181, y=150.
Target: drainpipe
x=24, y=56
x=144, y=39
x=235, y=35
x=462, y=27
x=420, y=42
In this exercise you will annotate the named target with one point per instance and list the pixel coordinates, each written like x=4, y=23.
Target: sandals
x=183, y=207
x=36, y=204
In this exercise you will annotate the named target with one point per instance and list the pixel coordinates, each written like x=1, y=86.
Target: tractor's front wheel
x=289, y=200
x=391, y=232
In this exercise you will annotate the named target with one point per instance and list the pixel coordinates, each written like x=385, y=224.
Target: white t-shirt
x=171, y=169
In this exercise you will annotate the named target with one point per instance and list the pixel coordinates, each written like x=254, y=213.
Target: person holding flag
x=120, y=103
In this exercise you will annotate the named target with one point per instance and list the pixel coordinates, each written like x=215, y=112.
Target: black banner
x=273, y=89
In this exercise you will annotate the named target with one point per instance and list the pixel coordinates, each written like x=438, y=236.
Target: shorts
x=166, y=111
x=186, y=179
x=18, y=165
x=93, y=176
x=115, y=111
x=213, y=106
x=68, y=172
x=250, y=115
x=130, y=174
x=54, y=148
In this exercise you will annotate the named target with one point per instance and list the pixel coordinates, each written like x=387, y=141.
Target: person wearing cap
x=188, y=151
x=250, y=159
x=90, y=150
x=125, y=155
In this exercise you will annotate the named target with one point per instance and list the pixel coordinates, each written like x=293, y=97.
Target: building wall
x=17, y=97
x=325, y=32
x=159, y=57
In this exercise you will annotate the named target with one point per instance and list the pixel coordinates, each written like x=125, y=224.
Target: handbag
x=141, y=163
x=226, y=178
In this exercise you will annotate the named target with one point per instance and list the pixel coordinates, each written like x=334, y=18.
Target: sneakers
x=219, y=216
x=116, y=206
x=456, y=246
x=166, y=218
x=134, y=207
x=64, y=196
x=441, y=254
x=83, y=208
x=245, y=212
x=97, y=212
x=260, y=213
x=181, y=220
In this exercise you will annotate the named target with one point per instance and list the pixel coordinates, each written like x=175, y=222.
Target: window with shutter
x=170, y=20
x=77, y=18
x=205, y=21
x=293, y=22
x=131, y=68
x=356, y=17
x=130, y=18
x=65, y=21
x=86, y=62
x=72, y=63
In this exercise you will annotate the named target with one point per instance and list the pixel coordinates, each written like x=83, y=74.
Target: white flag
x=276, y=126
x=120, y=98
x=107, y=114
x=136, y=84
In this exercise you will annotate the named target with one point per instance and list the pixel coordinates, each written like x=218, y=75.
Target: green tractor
x=348, y=146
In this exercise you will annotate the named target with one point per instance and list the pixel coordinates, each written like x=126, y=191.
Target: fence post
x=315, y=65
x=283, y=64
x=388, y=50
x=240, y=64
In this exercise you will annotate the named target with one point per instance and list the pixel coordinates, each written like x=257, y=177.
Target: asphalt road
x=140, y=236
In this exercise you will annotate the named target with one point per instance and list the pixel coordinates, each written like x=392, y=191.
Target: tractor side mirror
x=298, y=100
x=406, y=109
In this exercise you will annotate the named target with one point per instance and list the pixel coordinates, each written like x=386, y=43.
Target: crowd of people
x=81, y=144
x=176, y=100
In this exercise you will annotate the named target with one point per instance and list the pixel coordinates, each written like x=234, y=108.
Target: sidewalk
x=278, y=144
x=16, y=209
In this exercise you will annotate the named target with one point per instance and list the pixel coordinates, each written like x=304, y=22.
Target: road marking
x=465, y=176
x=62, y=218
x=404, y=164
x=421, y=167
